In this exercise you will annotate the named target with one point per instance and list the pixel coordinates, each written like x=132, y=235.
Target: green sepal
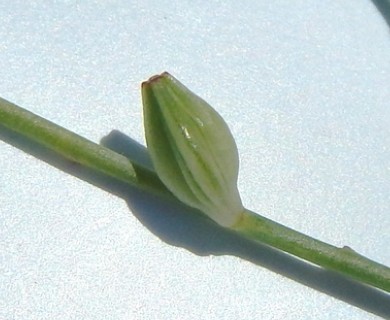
x=192, y=149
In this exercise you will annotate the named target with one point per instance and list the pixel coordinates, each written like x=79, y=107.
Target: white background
x=304, y=87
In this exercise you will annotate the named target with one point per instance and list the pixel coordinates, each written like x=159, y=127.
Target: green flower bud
x=192, y=149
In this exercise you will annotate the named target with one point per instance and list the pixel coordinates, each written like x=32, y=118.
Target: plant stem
x=343, y=260
x=79, y=149
x=251, y=225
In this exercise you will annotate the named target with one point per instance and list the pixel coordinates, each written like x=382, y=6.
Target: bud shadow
x=383, y=7
x=180, y=226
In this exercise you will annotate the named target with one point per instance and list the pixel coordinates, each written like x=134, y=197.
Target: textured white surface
x=304, y=86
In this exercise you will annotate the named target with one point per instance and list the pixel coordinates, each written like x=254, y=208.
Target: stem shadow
x=180, y=226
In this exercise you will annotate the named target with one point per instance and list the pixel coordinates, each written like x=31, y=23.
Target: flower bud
x=192, y=149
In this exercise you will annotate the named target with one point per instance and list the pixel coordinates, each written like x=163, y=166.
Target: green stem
x=343, y=260
x=79, y=149
x=251, y=225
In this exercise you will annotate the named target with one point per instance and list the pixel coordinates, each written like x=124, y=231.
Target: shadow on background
x=384, y=8
x=180, y=226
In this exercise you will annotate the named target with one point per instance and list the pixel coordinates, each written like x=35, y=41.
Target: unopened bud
x=192, y=149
